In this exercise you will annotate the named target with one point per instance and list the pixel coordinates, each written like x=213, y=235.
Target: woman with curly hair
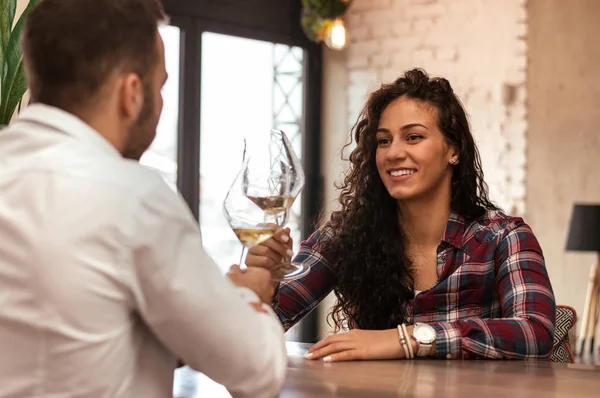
x=422, y=263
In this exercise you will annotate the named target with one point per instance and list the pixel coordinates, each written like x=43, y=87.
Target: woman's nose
x=397, y=150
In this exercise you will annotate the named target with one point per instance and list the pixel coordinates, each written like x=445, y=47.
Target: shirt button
x=449, y=356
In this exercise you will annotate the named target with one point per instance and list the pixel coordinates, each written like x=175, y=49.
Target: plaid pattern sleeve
x=296, y=298
x=497, y=301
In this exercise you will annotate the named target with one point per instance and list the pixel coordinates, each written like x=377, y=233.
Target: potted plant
x=323, y=18
x=13, y=84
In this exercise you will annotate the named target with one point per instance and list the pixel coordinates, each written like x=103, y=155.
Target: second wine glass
x=250, y=223
x=274, y=179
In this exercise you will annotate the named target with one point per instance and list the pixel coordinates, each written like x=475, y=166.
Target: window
x=248, y=87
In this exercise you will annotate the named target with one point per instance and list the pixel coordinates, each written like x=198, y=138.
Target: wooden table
x=424, y=378
x=436, y=378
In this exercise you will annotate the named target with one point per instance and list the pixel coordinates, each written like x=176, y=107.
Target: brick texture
x=478, y=45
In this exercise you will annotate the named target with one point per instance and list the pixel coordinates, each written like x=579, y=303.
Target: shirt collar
x=67, y=123
x=455, y=229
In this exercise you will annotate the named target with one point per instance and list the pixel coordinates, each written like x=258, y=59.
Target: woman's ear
x=454, y=158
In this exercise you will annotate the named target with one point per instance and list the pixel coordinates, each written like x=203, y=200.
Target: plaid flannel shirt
x=493, y=298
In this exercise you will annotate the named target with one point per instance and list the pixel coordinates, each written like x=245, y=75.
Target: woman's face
x=413, y=158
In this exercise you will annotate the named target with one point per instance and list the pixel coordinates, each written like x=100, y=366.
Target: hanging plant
x=319, y=16
x=13, y=84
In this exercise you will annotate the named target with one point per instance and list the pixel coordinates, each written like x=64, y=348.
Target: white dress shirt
x=103, y=280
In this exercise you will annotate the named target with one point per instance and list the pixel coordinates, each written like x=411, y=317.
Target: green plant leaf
x=14, y=83
x=7, y=16
x=326, y=8
x=12, y=10
x=18, y=89
x=310, y=24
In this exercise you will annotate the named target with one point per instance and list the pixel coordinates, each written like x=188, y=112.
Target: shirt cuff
x=247, y=294
x=448, y=340
x=250, y=297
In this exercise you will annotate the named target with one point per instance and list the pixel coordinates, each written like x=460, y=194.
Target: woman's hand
x=358, y=344
x=272, y=252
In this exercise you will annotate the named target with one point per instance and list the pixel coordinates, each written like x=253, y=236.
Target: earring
x=453, y=160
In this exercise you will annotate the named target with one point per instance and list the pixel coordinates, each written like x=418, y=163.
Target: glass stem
x=242, y=264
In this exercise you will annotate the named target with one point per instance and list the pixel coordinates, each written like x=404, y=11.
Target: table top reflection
x=436, y=378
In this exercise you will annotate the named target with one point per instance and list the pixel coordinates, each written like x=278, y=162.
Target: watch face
x=425, y=333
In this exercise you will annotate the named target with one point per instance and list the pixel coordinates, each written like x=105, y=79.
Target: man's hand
x=272, y=252
x=358, y=345
x=256, y=279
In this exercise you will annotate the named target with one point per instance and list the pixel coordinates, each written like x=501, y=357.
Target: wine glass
x=250, y=223
x=273, y=181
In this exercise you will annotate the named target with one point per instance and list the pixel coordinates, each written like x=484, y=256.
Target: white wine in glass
x=253, y=235
x=273, y=204
x=251, y=224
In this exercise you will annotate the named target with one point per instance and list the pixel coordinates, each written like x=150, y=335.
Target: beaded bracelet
x=403, y=342
x=410, y=348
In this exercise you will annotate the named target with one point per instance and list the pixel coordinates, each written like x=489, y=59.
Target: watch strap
x=423, y=350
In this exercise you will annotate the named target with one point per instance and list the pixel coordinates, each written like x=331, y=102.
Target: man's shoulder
x=79, y=164
x=137, y=178
x=127, y=177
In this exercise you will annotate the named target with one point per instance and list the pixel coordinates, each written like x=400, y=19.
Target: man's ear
x=132, y=96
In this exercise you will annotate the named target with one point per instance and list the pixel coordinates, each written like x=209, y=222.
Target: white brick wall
x=478, y=45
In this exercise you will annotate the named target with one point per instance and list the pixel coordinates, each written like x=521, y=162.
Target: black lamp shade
x=584, y=229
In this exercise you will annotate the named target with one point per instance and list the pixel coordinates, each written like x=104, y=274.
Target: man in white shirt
x=104, y=284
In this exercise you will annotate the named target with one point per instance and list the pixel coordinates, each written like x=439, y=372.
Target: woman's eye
x=414, y=137
x=383, y=141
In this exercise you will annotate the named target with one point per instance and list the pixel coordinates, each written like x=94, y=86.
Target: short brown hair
x=71, y=47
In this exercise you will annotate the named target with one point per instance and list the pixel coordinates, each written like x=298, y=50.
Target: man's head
x=101, y=60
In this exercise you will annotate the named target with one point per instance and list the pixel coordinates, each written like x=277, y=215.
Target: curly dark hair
x=374, y=278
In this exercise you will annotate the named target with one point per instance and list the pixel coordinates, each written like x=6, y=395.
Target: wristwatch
x=425, y=336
